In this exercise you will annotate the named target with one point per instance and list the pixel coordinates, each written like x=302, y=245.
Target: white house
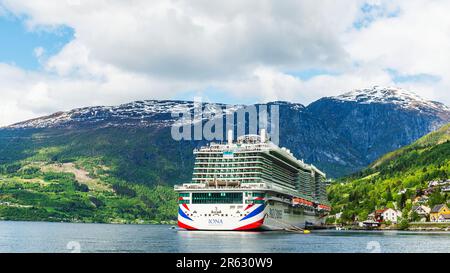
x=433, y=184
x=422, y=211
x=391, y=215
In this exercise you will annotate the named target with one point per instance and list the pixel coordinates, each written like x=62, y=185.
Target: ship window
x=183, y=201
x=217, y=198
x=258, y=194
x=254, y=201
x=184, y=194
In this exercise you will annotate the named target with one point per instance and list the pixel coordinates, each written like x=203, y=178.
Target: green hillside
x=125, y=175
x=395, y=179
x=138, y=155
x=100, y=175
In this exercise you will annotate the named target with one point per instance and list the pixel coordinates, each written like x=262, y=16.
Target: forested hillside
x=396, y=179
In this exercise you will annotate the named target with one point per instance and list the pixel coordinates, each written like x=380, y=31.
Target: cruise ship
x=251, y=184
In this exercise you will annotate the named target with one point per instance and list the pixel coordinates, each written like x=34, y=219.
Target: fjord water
x=67, y=237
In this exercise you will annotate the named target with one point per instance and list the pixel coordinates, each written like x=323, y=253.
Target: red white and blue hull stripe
x=199, y=217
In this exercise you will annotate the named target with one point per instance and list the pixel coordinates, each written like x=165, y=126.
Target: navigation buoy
x=306, y=231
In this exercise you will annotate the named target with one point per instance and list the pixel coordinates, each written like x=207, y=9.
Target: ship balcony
x=223, y=148
x=229, y=185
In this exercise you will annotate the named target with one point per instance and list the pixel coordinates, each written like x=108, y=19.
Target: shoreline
x=445, y=229
x=97, y=223
x=442, y=227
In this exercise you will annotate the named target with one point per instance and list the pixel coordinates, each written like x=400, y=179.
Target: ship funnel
x=263, y=135
x=230, y=137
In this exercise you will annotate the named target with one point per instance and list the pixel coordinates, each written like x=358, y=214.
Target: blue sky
x=372, y=12
x=19, y=43
x=308, y=74
x=421, y=78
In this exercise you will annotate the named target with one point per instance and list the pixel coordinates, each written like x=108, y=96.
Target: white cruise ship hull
x=272, y=215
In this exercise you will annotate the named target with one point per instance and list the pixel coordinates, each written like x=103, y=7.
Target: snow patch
x=392, y=95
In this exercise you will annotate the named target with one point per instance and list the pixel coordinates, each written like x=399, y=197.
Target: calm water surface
x=65, y=237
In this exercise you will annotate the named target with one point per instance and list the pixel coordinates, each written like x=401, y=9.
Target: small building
x=445, y=188
x=444, y=218
x=371, y=217
x=422, y=211
x=378, y=215
x=391, y=215
x=370, y=224
x=383, y=215
x=437, y=211
x=433, y=184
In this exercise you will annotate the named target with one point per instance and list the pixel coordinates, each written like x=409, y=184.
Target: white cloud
x=415, y=42
x=274, y=85
x=39, y=51
x=158, y=49
x=201, y=39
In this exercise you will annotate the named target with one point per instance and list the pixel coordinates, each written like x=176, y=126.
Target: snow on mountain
x=154, y=112
x=392, y=95
x=148, y=112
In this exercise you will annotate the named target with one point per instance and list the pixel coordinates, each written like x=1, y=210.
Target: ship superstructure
x=251, y=184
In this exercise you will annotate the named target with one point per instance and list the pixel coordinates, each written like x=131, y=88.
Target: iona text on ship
x=251, y=184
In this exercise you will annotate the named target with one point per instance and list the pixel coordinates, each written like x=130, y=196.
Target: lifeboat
x=301, y=201
x=324, y=207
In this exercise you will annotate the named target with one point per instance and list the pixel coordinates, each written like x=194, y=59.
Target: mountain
x=137, y=114
x=118, y=163
x=340, y=134
x=372, y=122
x=395, y=96
x=396, y=179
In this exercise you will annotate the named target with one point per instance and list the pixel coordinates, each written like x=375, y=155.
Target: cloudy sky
x=61, y=54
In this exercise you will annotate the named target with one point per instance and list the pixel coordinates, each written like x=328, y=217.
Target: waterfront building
x=444, y=218
x=437, y=211
x=422, y=211
x=391, y=215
